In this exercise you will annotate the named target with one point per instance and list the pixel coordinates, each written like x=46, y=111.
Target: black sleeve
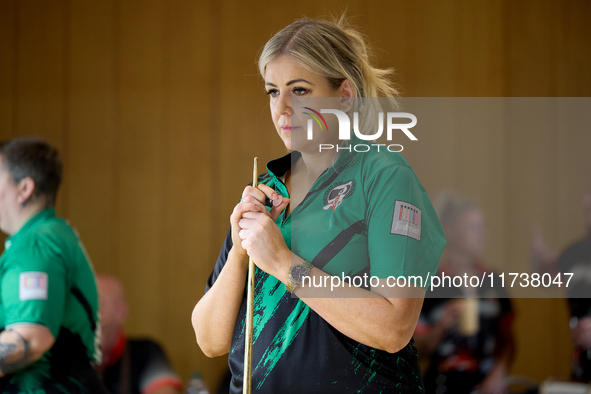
x=569, y=257
x=221, y=261
x=506, y=306
x=155, y=366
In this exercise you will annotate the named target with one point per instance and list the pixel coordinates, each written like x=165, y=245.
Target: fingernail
x=275, y=196
x=278, y=202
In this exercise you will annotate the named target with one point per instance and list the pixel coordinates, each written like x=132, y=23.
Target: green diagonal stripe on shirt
x=267, y=302
x=285, y=336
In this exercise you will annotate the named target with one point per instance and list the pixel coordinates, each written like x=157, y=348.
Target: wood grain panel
x=573, y=55
x=532, y=36
x=531, y=44
x=41, y=91
x=478, y=48
x=189, y=134
x=480, y=165
x=8, y=29
x=531, y=168
x=429, y=49
x=158, y=110
x=140, y=163
x=92, y=129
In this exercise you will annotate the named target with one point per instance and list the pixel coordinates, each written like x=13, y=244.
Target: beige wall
x=157, y=109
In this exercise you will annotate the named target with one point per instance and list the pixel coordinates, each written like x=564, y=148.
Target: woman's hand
x=239, y=211
x=251, y=207
x=257, y=196
x=263, y=241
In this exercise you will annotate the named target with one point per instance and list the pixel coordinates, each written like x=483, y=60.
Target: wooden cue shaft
x=246, y=382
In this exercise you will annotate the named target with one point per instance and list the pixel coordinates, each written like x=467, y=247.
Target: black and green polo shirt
x=46, y=278
x=367, y=214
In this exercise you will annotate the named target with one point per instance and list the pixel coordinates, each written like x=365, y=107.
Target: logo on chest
x=337, y=193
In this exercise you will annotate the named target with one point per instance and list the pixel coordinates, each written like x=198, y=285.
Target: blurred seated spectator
x=130, y=366
x=464, y=335
x=575, y=259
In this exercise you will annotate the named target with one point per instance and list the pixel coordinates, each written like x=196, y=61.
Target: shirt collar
x=278, y=167
x=34, y=221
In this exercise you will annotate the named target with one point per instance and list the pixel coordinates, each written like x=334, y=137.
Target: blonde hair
x=449, y=206
x=336, y=51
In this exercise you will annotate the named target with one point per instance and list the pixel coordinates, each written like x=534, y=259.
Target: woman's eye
x=300, y=91
x=273, y=92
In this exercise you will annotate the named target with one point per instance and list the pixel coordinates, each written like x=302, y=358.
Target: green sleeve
x=33, y=286
x=405, y=236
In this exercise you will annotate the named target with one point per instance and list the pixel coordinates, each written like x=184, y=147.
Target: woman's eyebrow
x=290, y=82
x=298, y=80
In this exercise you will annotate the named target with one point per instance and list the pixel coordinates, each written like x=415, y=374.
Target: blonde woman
x=332, y=214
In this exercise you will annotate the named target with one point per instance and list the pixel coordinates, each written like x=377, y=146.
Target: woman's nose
x=283, y=105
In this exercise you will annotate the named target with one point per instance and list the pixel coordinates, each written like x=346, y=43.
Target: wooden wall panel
x=429, y=48
x=41, y=90
x=92, y=129
x=479, y=48
x=191, y=181
x=140, y=161
x=573, y=168
x=533, y=39
x=8, y=27
x=480, y=167
x=573, y=54
x=530, y=170
x=158, y=110
x=531, y=45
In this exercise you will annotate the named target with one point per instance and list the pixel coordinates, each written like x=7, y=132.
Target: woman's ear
x=347, y=95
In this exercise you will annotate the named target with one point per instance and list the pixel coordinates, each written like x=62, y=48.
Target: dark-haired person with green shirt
x=49, y=327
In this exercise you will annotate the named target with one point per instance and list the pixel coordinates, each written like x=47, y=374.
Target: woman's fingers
x=276, y=210
x=278, y=202
x=243, y=234
x=254, y=192
x=245, y=207
x=247, y=222
x=261, y=192
x=251, y=200
x=275, y=197
x=258, y=196
x=251, y=215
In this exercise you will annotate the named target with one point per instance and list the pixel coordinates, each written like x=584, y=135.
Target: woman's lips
x=287, y=128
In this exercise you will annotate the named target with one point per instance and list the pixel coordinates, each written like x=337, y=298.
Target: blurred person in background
x=134, y=366
x=49, y=328
x=464, y=335
x=575, y=259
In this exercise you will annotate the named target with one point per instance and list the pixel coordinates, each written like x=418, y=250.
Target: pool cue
x=246, y=383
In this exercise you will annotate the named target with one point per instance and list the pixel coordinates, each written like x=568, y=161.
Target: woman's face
x=468, y=233
x=289, y=85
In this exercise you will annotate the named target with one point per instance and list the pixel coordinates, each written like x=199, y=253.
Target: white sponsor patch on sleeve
x=33, y=286
x=406, y=220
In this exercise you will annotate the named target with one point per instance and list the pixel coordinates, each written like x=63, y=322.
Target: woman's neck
x=312, y=165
